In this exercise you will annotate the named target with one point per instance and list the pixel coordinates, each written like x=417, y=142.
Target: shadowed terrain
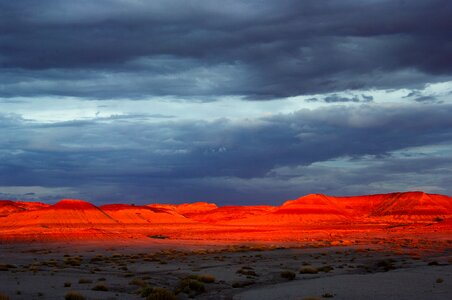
x=388, y=246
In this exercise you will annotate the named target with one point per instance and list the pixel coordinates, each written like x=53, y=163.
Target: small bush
x=146, y=291
x=100, y=287
x=138, y=282
x=7, y=267
x=3, y=297
x=159, y=237
x=325, y=269
x=308, y=270
x=240, y=284
x=439, y=280
x=84, y=281
x=74, y=296
x=67, y=284
x=191, y=287
x=386, y=265
x=247, y=271
x=206, y=278
x=288, y=275
x=161, y=294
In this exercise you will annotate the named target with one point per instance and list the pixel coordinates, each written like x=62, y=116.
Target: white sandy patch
x=413, y=284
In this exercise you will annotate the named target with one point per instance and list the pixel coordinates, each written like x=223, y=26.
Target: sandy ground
x=49, y=271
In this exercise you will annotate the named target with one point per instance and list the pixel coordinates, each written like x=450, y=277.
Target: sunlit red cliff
x=308, y=217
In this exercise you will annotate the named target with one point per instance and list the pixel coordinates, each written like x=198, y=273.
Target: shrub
x=327, y=295
x=439, y=280
x=325, y=269
x=308, y=270
x=137, y=282
x=67, y=284
x=74, y=296
x=159, y=237
x=84, y=281
x=191, y=287
x=240, y=284
x=3, y=297
x=161, y=294
x=386, y=265
x=288, y=275
x=100, y=287
x=206, y=278
x=247, y=271
x=146, y=291
x=6, y=267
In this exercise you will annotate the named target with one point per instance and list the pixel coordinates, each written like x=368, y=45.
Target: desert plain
x=388, y=246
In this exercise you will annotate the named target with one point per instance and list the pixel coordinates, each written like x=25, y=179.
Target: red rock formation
x=77, y=219
x=131, y=214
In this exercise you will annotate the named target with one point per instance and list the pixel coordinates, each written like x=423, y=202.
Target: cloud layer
x=240, y=101
x=254, y=49
x=128, y=158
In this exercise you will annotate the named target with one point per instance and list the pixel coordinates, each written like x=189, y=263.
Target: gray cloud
x=334, y=98
x=257, y=49
x=169, y=160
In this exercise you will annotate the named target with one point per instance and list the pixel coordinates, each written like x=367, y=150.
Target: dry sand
x=41, y=271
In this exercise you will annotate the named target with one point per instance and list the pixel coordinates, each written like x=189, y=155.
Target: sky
x=233, y=102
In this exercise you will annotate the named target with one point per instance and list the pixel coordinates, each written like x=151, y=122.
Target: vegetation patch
x=100, y=287
x=191, y=287
x=138, y=282
x=158, y=236
x=3, y=297
x=247, y=271
x=308, y=270
x=241, y=284
x=85, y=281
x=289, y=275
x=206, y=278
x=74, y=296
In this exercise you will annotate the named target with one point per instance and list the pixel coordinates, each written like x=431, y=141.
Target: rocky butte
x=311, y=217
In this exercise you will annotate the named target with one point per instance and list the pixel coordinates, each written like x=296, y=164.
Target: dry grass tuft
x=240, y=284
x=3, y=297
x=74, y=296
x=206, y=278
x=100, y=287
x=85, y=281
x=138, y=282
x=191, y=287
x=288, y=275
x=157, y=293
x=308, y=270
x=247, y=271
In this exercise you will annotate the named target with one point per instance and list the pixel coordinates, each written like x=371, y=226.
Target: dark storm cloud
x=255, y=49
x=192, y=160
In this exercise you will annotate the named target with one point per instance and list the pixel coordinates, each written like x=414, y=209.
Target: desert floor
x=225, y=271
